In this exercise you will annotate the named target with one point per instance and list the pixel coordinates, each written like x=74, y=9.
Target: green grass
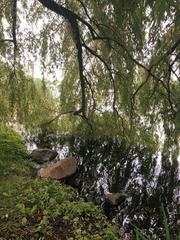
x=42, y=208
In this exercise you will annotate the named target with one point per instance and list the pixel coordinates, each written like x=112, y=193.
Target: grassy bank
x=33, y=208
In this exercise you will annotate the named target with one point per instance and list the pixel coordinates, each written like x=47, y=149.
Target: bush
x=11, y=145
x=12, y=154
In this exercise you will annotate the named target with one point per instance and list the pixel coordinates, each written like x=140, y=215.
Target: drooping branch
x=76, y=34
x=92, y=93
x=85, y=9
x=58, y=116
x=74, y=21
x=67, y=14
x=173, y=47
x=14, y=23
x=72, y=18
x=167, y=53
x=97, y=56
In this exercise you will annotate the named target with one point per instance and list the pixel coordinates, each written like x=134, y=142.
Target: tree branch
x=170, y=51
x=68, y=14
x=14, y=22
x=97, y=56
x=91, y=90
x=58, y=116
x=76, y=32
x=72, y=19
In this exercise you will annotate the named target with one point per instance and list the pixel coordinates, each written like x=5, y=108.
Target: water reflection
x=114, y=166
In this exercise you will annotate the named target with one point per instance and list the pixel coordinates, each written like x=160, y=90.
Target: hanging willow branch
x=74, y=21
x=14, y=23
x=72, y=18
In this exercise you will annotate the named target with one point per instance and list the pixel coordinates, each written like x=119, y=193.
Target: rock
x=115, y=198
x=60, y=169
x=42, y=155
x=112, y=198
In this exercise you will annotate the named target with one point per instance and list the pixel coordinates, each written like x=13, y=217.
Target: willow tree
x=120, y=61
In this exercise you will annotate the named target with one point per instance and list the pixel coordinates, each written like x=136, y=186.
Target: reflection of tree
x=128, y=168
x=131, y=169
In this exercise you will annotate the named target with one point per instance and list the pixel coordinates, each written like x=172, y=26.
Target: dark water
x=151, y=181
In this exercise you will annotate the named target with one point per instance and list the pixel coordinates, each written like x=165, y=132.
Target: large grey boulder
x=61, y=169
x=42, y=155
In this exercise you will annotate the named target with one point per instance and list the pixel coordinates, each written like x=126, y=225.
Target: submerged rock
x=42, y=155
x=61, y=169
x=115, y=198
x=112, y=198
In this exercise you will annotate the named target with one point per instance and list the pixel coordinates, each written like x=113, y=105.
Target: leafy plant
x=42, y=208
x=11, y=145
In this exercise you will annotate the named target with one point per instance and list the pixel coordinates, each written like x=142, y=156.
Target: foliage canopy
x=120, y=62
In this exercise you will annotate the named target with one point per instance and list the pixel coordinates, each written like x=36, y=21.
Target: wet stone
x=43, y=155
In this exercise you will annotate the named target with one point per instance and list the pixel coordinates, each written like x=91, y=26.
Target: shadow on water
x=150, y=181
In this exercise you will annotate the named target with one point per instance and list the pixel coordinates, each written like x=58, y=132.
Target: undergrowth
x=42, y=208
